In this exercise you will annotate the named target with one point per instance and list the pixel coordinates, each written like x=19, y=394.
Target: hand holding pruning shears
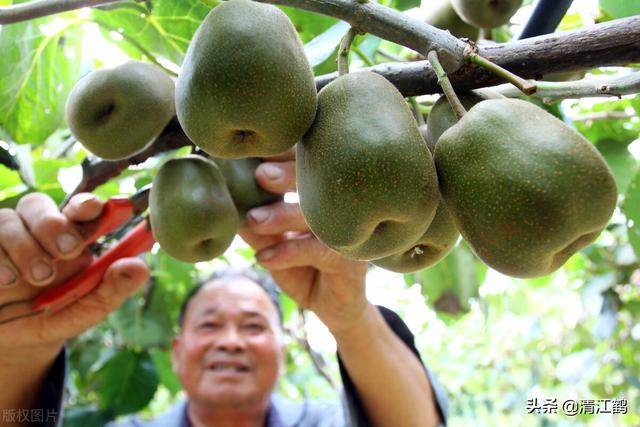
x=45, y=267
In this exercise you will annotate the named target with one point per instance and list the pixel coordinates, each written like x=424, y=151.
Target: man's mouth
x=227, y=367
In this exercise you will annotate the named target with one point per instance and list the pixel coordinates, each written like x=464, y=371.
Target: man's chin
x=228, y=395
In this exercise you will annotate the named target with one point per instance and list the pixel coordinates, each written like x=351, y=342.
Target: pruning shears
x=117, y=215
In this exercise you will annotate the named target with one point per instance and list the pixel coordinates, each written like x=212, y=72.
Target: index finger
x=50, y=228
x=277, y=177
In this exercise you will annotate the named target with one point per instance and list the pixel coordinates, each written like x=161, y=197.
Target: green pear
x=116, y=112
x=486, y=13
x=525, y=190
x=441, y=116
x=366, y=180
x=245, y=191
x=246, y=88
x=440, y=14
x=439, y=239
x=192, y=214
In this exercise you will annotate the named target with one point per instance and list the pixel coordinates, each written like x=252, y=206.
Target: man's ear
x=282, y=358
x=175, y=352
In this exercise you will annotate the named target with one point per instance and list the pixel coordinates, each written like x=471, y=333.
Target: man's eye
x=209, y=325
x=254, y=327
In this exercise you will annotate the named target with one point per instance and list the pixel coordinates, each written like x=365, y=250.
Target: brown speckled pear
x=366, y=179
x=525, y=190
x=246, y=88
x=192, y=215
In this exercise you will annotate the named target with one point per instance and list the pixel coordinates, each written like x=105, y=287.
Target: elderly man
x=229, y=352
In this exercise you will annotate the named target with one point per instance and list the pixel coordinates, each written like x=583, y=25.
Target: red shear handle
x=115, y=212
x=135, y=242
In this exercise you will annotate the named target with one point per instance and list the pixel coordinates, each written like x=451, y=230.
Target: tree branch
x=39, y=8
x=596, y=87
x=96, y=172
x=608, y=44
x=366, y=17
x=389, y=24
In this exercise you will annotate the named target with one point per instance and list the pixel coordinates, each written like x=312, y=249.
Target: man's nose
x=230, y=339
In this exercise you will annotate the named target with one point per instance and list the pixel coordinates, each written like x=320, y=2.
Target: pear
x=525, y=190
x=246, y=88
x=440, y=14
x=366, y=180
x=245, y=191
x=436, y=243
x=486, y=13
x=192, y=215
x=116, y=112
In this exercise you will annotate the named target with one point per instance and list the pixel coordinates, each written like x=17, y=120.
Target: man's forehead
x=238, y=294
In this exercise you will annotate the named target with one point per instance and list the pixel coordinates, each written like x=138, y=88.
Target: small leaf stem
x=417, y=110
x=527, y=87
x=343, y=52
x=445, y=84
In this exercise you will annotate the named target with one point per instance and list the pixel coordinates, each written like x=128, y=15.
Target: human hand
x=41, y=247
x=313, y=275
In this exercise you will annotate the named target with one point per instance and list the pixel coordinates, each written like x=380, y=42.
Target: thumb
x=123, y=278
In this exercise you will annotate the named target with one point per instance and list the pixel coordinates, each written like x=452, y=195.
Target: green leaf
x=309, y=25
x=405, y=4
x=632, y=212
x=164, y=31
x=620, y=8
x=128, y=381
x=142, y=327
x=83, y=416
x=623, y=131
x=168, y=378
x=40, y=64
x=322, y=47
x=620, y=160
x=450, y=284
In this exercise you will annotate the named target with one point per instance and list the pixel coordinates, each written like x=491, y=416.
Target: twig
x=443, y=81
x=39, y=8
x=605, y=115
x=316, y=359
x=390, y=56
x=367, y=16
x=389, y=24
x=97, y=172
x=343, y=51
x=64, y=147
x=613, y=43
x=596, y=87
x=527, y=87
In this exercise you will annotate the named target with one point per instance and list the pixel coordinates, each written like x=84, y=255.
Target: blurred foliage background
x=494, y=342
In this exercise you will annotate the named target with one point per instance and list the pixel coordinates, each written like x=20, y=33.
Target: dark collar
x=273, y=418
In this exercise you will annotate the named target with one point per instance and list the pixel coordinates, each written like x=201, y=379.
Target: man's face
x=229, y=352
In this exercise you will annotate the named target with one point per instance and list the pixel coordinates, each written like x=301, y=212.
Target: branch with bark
x=96, y=172
x=39, y=8
x=613, y=43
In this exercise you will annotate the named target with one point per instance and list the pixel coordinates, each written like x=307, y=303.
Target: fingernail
x=7, y=276
x=271, y=171
x=259, y=215
x=81, y=199
x=67, y=242
x=41, y=271
x=266, y=254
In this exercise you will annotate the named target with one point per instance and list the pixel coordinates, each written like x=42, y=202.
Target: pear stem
x=416, y=110
x=343, y=51
x=445, y=84
x=526, y=86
